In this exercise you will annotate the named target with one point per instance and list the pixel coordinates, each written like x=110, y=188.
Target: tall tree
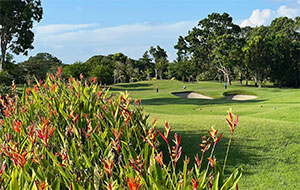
x=215, y=42
x=285, y=67
x=145, y=66
x=161, y=62
x=16, y=22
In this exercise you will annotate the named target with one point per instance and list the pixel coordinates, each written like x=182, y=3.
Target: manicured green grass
x=266, y=142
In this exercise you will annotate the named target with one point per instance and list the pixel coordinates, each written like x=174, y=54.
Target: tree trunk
x=3, y=52
x=155, y=70
x=255, y=79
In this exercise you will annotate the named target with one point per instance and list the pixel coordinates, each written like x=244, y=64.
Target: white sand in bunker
x=241, y=97
x=190, y=94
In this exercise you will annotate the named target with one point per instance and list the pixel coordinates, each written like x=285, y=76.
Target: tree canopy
x=16, y=22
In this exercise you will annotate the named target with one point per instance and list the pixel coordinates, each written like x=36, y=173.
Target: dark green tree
x=257, y=51
x=16, y=22
x=75, y=70
x=145, y=66
x=285, y=51
x=161, y=60
x=214, y=43
x=41, y=64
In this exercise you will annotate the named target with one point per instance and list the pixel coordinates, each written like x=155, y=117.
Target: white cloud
x=58, y=28
x=289, y=12
x=258, y=17
x=79, y=42
x=265, y=16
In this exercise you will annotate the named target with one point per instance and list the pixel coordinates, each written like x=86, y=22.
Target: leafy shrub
x=75, y=135
x=5, y=78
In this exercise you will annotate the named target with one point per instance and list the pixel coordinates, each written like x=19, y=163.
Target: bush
x=5, y=78
x=75, y=135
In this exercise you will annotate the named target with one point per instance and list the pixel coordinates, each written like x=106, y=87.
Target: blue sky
x=75, y=30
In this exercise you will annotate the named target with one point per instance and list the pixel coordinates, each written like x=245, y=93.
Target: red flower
x=194, y=185
x=232, y=122
x=212, y=162
x=108, y=165
x=134, y=183
x=213, y=135
x=59, y=69
x=159, y=159
x=17, y=126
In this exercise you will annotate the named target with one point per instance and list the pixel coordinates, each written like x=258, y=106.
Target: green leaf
x=159, y=184
x=56, y=184
x=88, y=162
x=233, y=179
x=14, y=180
x=216, y=182
x=31, y=184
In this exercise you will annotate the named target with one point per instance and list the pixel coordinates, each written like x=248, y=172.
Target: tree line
x=215, y=49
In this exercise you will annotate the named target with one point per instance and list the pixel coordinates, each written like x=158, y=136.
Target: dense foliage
x=76, y=135
x=16, y=25
x=216, y=49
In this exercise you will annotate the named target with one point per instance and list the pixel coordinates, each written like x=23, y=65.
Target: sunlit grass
x=266, y=142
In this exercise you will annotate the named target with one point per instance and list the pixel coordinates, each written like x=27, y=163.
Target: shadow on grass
x=134, y=85
x=238, y=155
x=131, y=87
x=182, y=101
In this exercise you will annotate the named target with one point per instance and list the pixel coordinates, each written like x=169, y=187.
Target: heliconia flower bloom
x=40, y=82
x=70, y=79
x=194, y=185
x=198, y=161
x=205, y=145
x=165, y=139
x=115, y=132
x=40, y=186
x=134, y=183
x=18, y=157
x=127, y=120
x=17, y=126
x=58, y=73
x=159, y=159
x=232, y=123
x=213, y=133
x=137, y=165
x=81, y=76
x=116, y=145
x=99, y=93
x=212, y=162
x=108, y=165
x=28, y=90
x=187, y=160
x=168, y=129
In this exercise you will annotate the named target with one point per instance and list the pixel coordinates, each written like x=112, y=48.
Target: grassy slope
x=266, y=142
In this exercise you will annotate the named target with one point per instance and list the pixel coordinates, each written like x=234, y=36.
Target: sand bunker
x=190, y=94
x=241, y=97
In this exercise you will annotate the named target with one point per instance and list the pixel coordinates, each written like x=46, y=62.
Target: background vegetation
x=216, y=49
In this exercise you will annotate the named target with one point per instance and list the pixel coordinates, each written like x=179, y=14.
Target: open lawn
x=266, y=142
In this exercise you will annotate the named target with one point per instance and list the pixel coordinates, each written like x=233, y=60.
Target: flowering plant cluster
x=73, y=134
